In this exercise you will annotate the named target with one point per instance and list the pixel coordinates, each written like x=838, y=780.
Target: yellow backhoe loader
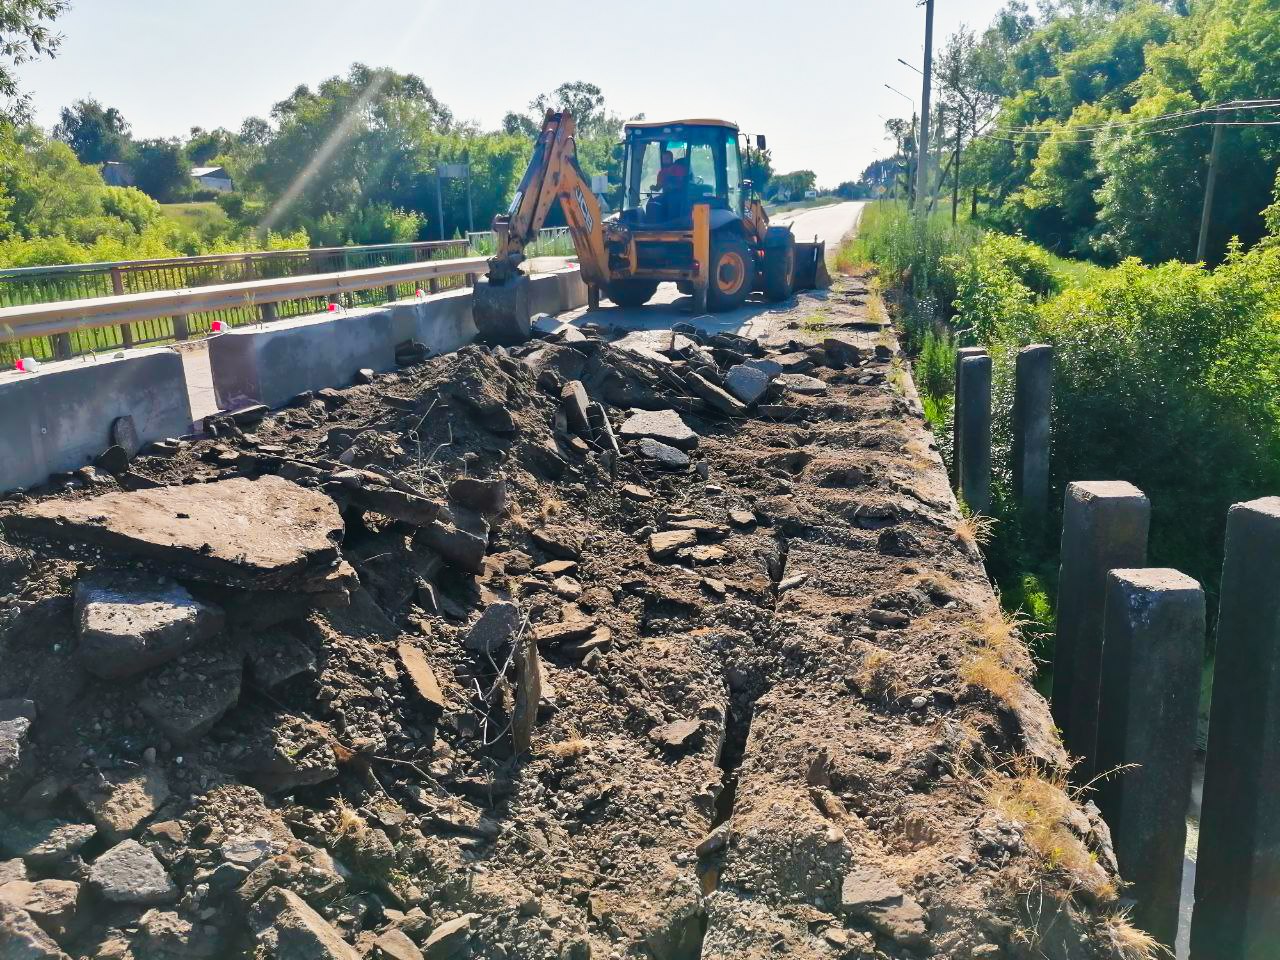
x=687, y=215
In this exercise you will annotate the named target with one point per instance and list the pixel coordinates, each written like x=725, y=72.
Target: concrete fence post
x=1237, y=897
x=961, y=355
x=1152, y=655
x=1033, y=395
x=975, y=433
x=1104, y=528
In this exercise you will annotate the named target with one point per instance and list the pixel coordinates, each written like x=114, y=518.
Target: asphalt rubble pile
x=511, y=653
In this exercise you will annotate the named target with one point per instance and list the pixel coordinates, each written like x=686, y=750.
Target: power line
x=1041, y=130
x=1185, y=126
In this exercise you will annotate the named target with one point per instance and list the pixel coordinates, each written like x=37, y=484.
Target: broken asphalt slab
x=265, y=533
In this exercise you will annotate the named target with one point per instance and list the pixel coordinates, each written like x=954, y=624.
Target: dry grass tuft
x=1043, y=803
x=877, y=678
x=567, y=750
x=551, y=506
x=974, y=530
x=1130, y=943
x=350, y=823
x=999, y=641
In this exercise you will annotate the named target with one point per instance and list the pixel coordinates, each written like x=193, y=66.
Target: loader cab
x=668, y=167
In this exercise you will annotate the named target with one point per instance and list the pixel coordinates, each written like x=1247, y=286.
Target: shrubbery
x=1168, y=377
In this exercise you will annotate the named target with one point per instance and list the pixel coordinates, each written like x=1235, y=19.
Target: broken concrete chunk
x=666, y=426
x=556, y=568
x=842, y=351
x=395, y=944
x=265, y=533
x=458, y=547
x=395, y=504
x=277, y=656
x=290, y=930
x=742, y=518
x=121, y=802
x=748, y=384
x=187, y=696
x=766, y=365
x=679, y=735
x=867, y=894
x=796, y=362
x=130, y=873
x=559, y=542
x=573, y=627
x=495, y=629
x=664, y=456
x=15, y=757
x=422, y=680
x=664, y=545
x=129, y=623
x=802, y=384
x=53, y=904
x=573, y=401
x=285, y=753
x=449, y=940
x=718, y=398
x=166, y=934
x=45, y=843
x=701, y=556
x=21, y=937
x=487, y=497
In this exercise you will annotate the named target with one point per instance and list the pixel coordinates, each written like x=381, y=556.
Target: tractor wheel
x=779, y=270
x=731, y=272
x=631, y=293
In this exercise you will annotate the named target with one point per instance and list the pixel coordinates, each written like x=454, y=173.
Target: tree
x=25, y=35
x=204, y=145
x=96, y=133
x=757, y=166
x=160, y=169
x=793, y=184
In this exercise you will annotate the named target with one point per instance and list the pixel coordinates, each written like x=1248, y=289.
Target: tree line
x=1087, y=126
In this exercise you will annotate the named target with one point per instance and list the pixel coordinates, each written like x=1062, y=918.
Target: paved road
x=669, y=305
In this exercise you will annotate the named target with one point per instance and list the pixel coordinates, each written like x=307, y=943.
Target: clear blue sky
x=808, y=73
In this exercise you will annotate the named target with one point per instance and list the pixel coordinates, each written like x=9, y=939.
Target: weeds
x=1043, y=803
x=974, y=530
x=999, y=639
x=1130, y=943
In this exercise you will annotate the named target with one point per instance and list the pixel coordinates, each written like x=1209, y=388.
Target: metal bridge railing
x=29, y=286
x=84, y=321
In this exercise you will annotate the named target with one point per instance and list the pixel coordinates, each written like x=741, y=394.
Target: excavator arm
x=501, y=304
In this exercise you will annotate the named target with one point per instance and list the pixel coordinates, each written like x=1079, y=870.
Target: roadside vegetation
x=1074, y=222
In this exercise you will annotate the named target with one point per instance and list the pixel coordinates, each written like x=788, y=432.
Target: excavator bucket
x=811, y=266
x=501, y=310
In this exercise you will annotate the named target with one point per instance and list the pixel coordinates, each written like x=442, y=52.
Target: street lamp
x=910, y=180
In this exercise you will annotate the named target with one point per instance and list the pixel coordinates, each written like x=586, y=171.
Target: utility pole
x=1206, y=214
x=955, y=173
x=922, y=173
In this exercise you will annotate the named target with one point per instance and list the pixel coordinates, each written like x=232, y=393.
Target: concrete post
x=975, y=433
x=1033, y=394
x=961, y=354
x=1104, y=527
x=1152, y=656
x=1237, y=909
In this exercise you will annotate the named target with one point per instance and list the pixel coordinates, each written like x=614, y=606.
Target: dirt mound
x=555, y=689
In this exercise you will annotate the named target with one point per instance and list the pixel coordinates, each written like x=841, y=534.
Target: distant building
x=117, y=174
x=213, y=178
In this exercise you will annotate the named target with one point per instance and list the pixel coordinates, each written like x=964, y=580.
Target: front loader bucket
x=811, y=266
x=501, y=310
